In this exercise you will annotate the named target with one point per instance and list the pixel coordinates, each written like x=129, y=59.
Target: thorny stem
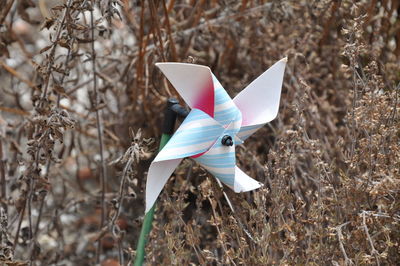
x=41, y=203
x=39, y=218
x=34, y=233
x=63, y=76
x=394, y=111
x=347, y=261
x=99, y=125
x=120, y=250
x=53, y=50
x=157, y=28
x=139, y=65
x=30, y=196
x=173, y=49
x=373, y=250
x=121, y=191
x=117, y=213
x=3, y=178
x=22, y=212
x=353, y=109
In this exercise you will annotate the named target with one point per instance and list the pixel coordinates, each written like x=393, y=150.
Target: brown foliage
x=81, y=99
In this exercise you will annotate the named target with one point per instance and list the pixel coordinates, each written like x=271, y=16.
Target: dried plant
x=80, y=99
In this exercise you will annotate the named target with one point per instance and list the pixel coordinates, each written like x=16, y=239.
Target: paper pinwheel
x=215, y=124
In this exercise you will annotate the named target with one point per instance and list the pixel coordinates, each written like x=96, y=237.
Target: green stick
x=148, y=219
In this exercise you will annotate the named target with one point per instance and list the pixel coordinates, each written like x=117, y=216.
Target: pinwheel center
x=227, y=140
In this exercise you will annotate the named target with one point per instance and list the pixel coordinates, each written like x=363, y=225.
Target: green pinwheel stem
x=172, y=112
x=148, y=219
x=144, y=233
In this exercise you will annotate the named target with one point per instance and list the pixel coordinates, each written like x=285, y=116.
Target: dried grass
x=73, y=173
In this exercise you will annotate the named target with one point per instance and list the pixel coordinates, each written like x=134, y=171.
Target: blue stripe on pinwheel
x=226, y=114
x=181, y=155
x=229, y=112
x=227, y=179
x=194, y=127
x=220, y=162
x=221, y=96
x=247, y=131
x=223, y=160
x=198, y=129
x=192, y=139
x=217, y=156
x=228, y=121
x=224, y=111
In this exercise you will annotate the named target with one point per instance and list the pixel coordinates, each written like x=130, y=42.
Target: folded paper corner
x=244, y=183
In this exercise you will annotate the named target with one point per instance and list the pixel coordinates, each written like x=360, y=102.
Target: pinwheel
x=215, y=124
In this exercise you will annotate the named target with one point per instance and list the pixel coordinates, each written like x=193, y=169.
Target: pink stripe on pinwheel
x=198, y=155
x=205, y=101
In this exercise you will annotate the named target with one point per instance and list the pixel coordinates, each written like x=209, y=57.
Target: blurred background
x=81, y=108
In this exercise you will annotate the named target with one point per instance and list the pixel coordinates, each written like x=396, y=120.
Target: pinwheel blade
x=220, y=161
x=157, y=177
x=193, y=82
x=197, y=133
x=259, y=101
x=243, y=182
